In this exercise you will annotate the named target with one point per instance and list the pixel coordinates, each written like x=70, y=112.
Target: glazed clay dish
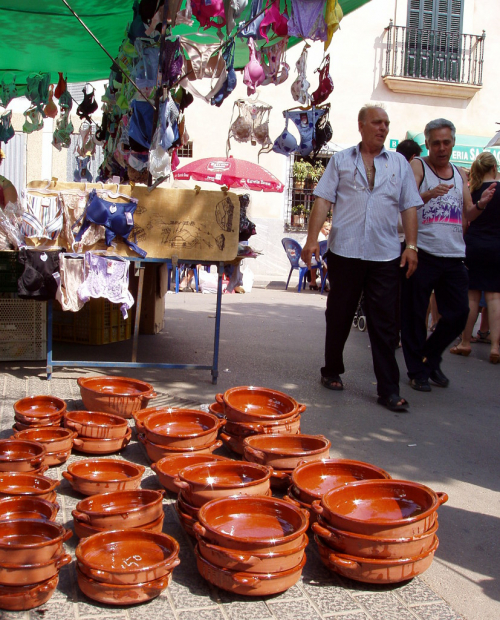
x=388, y=508
x=185, y=428
x=93, y=476
x=156, y=452
x=25, y=574
x=141, y=415
x=90, y=445
x=127, y=556
x=312, y=480
x=169, y=467
x=287, y=426
x=207, y=481
x=23, y=598
x=285, y=451
x=96, y=424
x=19, y=455
x=54, y=438
x=257, y=404
x=114, y=510
x=118, y=395
x=39, y=407
x=31, y=541
x=252, y=524
x=21, y=483
x=27, y=507
x=84, y=530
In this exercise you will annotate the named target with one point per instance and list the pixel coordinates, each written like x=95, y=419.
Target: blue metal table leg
x=138, y=268
x=215, y=365
x=49, y=339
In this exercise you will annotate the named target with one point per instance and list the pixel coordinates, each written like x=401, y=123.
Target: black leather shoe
x=332, y=383
x=421, y=385
x=439, y=378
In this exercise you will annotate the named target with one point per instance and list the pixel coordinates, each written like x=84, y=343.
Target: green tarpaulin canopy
x=466, y=148
x=43, y=36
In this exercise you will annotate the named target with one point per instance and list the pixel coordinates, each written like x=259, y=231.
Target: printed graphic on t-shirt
x=443, y=210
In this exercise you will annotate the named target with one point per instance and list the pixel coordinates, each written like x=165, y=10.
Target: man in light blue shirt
x=366, y=187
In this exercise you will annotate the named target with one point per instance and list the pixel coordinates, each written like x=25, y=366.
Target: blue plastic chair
x=293, y=250
x=177, y=277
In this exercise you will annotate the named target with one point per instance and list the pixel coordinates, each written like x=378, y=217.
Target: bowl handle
x=141, y=468
x=154, y=468
x=150, y=394
x=199, y=530
x=245, y=579
x=292, y=501
x=341, y=562
x=280, y=475
x=36, y=461
x=95, y=573
x=219, y=398
x=222, y=421
x=42, y=469
x=41, y=587
x=302, y=408
x=260, y=456
x=234, y=556
x=322, y=531
x=171, y=565
x=81, y=516
x=76, y=427
x=77, y=442
x=67, y=535
x=442, y=497
x=317, y=507
x=142, y=438
x=63, y=560
x=157, y=584
x=68, y=476
x=181, y=484
x=58, y=455
x=216, y=445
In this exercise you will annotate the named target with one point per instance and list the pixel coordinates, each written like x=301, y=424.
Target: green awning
x=43, y=36
x=466, y=148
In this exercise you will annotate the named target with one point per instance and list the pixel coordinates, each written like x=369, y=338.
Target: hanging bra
x=50, y=109
x=305, y=121
x=253, y=74
x=325, y=87
x=232, y=10
x=307, y=20
x=202, y=64
x=42, y=216
x=333, y=17
x=37, y=89
x=277, y=69
x=85, y=145
x=171, y=62
x=253, y=22
x=61, y=138
x=61, y=87
x=33, y=120
x=300, y=87
x=285, y=144
x=89, y=105
x=231, y=81
x=206, y=11
x=7, y=92
x=106, y=276
x=71, y=272
x=38, y=280
x=274, y=19
x=73, y=205
x=117, y=219
x=251, y=125
x=6, y=130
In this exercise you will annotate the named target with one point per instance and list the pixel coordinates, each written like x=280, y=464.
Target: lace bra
x=251, y=125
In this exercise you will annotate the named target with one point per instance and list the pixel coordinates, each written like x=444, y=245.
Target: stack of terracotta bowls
x=378, y=531
x=58, y=442
x=27, y=507
x=20, y=483
x=118, y=395
x=98, y=433
x=251, y=545
x=34, y=411
x=168, y=468
x=19, y=455
x=202, y=483
x=180, y=431
x=135, y=509
x=284, y=453
x=31, y=555
x=93, y=476
x=125, y=567
x=310, y=481
x=256, y=410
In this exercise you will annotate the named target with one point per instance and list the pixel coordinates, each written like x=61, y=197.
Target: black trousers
x=449, y=279
x=378, y=281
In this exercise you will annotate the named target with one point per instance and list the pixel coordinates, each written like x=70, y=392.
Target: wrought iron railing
x=434, y=55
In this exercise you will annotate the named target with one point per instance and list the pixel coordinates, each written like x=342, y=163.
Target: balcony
x=433, y=62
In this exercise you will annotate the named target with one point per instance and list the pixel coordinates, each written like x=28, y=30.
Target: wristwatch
x=412, y=247
x=478, y=207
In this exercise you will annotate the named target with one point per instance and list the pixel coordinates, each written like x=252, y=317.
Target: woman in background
x=8, y=192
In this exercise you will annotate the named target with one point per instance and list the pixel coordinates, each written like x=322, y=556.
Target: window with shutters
x=433, y=45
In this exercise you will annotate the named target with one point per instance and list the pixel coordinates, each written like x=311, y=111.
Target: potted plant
x=297, y=215
x=316, y=173
x=301, y=171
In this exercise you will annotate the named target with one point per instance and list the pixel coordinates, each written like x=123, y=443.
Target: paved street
x=274, y=338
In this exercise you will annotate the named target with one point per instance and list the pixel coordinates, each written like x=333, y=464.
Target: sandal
x=458, y=351
x=394, y=402
x=313, y=287
x=332, y=383
x=483, y=336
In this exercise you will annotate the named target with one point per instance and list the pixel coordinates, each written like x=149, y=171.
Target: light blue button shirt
x=364, y=221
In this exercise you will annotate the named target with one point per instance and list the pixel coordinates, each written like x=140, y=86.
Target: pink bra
x=253, y=74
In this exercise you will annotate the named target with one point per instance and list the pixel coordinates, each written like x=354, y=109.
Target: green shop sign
x=466, y=148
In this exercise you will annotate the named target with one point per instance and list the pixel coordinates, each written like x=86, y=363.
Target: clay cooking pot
x=93, y=476
x=285, y=451
x=257, y=404
x=96, y=424
x=27, y=507
x=21, y=483
x=31, y=541
x=118, y=395
x=288, y=426
x=39, y=408
x=18, y=455
x=84, y=530
x=22, y=598
x=156, y=452
x=19, y=574
x=184, y=428
x=89, y=445
x=142, y=414
x=168, y=467
x=54, y=438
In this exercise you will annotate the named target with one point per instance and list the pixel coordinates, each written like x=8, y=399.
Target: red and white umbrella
x=231, y=172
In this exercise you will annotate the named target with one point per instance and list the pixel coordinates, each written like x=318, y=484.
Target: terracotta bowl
x=93, y=476
x=285, y=451
x=127, y=556
x=21, y=483
x=95, y=424
x=313, y=480
x=83, y=530
x=368, y=570
x=281, y=478
x=20, y=575
x=291, y=498
x=22, y=598
x=184, y=428
x=54, y=438
x=289, y=426
x=383, y=508
x=19, y=455
x=27, y=507
x=89, y=445
x=31, y=541
x=206, y=481
x=232, y=442
x=186, y=507
x=257, y=404
x=186, y=521
x=40, y=407
x=371, y=546
x=169, y=466
x=56, y=458
x=157, y=452
x=252, y=524
x=116, y=594
x=20, y=426
x=118, y=395
x=120, y=508
x=141, y=415
x=248, y=584
x=270, y=562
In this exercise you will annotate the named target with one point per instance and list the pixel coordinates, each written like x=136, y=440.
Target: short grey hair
x=439, y=123
x=364, y=110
